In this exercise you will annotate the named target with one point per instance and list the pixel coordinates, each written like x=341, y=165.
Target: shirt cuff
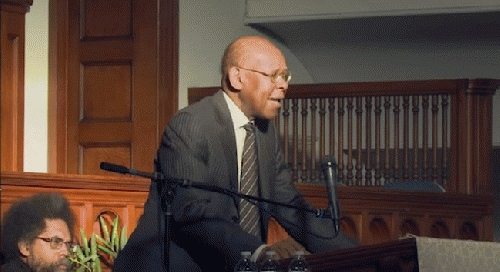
x=257, y=252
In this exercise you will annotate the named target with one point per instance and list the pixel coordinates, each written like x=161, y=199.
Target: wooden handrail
x=366, y=116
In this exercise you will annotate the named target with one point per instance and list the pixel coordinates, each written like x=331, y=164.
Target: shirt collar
x=238, y=117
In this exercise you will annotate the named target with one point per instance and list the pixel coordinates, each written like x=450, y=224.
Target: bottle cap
x=246, y=253
x=271, y=253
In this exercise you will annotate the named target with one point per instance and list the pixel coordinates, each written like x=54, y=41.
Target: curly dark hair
x=25, y=220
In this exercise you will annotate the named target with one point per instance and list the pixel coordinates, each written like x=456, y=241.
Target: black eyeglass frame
x=56, y=242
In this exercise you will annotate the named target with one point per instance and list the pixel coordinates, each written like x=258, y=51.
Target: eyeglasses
x=286, y=75
x=56, y=242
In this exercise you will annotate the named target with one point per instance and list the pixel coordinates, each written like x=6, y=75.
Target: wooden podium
x=410, y=255
x=400, y=255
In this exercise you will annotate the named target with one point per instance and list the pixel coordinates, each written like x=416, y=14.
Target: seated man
x=36, y=234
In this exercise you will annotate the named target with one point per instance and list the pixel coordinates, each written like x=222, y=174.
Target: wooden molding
x=68, y=181
x=23, y=3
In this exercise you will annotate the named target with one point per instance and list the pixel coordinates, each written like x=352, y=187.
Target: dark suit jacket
x=199, y=145
x=16, y=265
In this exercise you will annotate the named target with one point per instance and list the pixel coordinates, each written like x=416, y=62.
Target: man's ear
x=24, y=248
x=234, y=78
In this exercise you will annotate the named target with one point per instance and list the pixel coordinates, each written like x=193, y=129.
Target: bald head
x=255, y=76
x=247, y=50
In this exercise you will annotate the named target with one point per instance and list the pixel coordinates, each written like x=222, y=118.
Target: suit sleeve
x=205, y=222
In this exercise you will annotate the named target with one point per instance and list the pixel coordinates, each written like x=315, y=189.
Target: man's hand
x=284, y=249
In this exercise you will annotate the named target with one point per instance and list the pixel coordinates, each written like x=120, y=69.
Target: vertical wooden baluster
x=387, y=168
x=359, y=143
x=350, y=106
x=425, y=128
x=435, y=111
x=322, y=131
x=312, y=163
x=368, y=167
x=340, y=128
x=406, y=117
x=416, y=109
x=286, y=140
x=378, y=112
x=295, y=135
x=331, y=146
x=444, y=166
x=396, y=137
x=304, y=162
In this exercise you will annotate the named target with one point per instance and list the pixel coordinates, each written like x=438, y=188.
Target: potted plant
x=87, y=257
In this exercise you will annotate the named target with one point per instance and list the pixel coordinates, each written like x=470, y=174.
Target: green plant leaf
x=97, y=262
x=85, y=242
x=104, y=228
x=93, y=244
x=102, y=240
x=123, y=237
x=87, y=259
x=106, y=250
x=79, y=252
x=117, y=243
x=114, y=233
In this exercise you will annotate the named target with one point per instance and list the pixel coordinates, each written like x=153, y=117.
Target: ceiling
x=319, y=44
x=479, y=26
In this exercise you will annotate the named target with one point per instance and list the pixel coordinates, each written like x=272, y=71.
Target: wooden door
x=12, y=39
x=113, y=82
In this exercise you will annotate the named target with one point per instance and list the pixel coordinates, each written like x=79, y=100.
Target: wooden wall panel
x=379, y=215
x=89, y=196
x=107, y=18
x=12, y=40
x=369, y=214
x=102, y=101
x=92, y=155
x=119, y=88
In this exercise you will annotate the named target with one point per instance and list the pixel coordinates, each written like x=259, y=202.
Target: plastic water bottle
x=244, y=264
x=299, y=263
x=270, y=264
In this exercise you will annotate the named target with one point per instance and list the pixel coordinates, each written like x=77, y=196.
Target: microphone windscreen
x=328, y=161
x=113, y=168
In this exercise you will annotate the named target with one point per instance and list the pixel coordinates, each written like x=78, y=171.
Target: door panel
x=119, y=96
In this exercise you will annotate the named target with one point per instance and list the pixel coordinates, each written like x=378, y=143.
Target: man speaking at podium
x=229, y=140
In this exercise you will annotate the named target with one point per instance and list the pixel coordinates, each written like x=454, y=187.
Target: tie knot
x=249, y=127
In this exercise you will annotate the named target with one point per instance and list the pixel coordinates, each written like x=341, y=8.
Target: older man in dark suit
x=229, y=140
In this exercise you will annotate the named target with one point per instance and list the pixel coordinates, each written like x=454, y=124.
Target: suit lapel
x=265, y=147
x=227, y=138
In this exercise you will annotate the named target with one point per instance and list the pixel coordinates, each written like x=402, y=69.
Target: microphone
x=124, y=170
x=330, y=171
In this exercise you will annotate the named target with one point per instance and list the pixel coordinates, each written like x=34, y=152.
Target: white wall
x=279, y=10
x=206, y=27
x=36, y=87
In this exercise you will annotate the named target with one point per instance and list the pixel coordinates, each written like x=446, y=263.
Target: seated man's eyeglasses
x=56, y=242
x=286, y=75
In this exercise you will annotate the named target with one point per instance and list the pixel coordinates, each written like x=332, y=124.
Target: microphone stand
x=167, y=192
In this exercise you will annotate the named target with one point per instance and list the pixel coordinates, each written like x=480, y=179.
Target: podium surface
x=412, y=254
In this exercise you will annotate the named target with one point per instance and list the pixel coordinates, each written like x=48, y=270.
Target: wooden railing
x=433, y=131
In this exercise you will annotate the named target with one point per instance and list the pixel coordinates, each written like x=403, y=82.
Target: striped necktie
x=249, y=185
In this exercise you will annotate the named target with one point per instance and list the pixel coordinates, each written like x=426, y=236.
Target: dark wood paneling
x=91, y=155
x=116, y=89
x=107, y=18
x=104, y=101
x=12, y=39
